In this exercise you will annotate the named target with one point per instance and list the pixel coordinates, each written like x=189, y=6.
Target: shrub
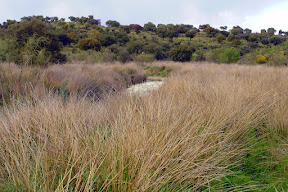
x=124, y=56
x=229, y=55
x=261, y=59
x=35, y=37
x=144, y=57
x=278, y=59
x=88, y=43
x=220, y=37
x=135, y=47
x=182, y=53
x=276, y=40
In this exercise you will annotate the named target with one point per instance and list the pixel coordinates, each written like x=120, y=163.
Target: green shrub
x=220, y=37
x=88, y=43
x=135, y=47
x=229, y=55
x=278, y=59
x=182, y=53
x=31, y=38
x=124, y=56
x=144, y=57
x=213, y=55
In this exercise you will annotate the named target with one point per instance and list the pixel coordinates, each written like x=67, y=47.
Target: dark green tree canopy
x=112, y=23
x=182, y=53
x=149, y=27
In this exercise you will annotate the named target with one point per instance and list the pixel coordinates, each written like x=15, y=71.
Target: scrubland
x=209, y=127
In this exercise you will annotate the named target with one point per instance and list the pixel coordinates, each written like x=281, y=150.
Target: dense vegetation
x=75, y=127
x=42, y=40
x=208, y=128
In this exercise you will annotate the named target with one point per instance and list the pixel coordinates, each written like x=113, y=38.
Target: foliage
x=261, y=59
x=276, y=40
x=229, y=55
x=182, y=53
x=144, y=58
x=88, y=43
x=124, y=56
x=220, y=37
x=37, y=43
x=135, y=47
x=39, y=39
x=191, y=33
x=111, y=23
x=149, y=27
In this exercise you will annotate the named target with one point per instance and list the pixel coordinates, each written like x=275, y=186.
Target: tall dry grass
x=93, y=80
x=182, y=137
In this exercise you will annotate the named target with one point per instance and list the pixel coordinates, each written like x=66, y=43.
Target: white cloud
x=59, y=9
x=274, y=16
x=191, y=14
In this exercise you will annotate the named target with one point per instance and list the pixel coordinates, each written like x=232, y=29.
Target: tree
x=171, y=34
x=125, y=28
x=89, y=43
x=202, y=27
x=211, y=32
x=253, y=38
x=65, y=39
x=137, y=28
x=223, y=28
x=271, y=31
x=95, y=34
x=182, y=53
x=135, y=47
x=112, y=23
x=220, y=37
x=149, y=27
x=92, y=21
x=155, y=49
x=182, y=28
x=161, y=31
x=263, y=31
x=247, y=31
x=122, y=38
x=124, y=56
x=72, y=19
x=37, y=42
x=108, y=40
x=191, y=33
x=276, y=40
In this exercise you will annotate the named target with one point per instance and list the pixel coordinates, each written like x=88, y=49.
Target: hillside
x=39, y=40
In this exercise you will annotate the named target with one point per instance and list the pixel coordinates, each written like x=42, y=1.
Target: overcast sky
x=253, y=14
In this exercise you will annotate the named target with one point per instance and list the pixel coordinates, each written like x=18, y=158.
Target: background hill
x=42, y=40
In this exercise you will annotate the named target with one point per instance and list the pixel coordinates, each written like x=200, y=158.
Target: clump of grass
x=18, y=80
x=91, y=80
x=209, y=127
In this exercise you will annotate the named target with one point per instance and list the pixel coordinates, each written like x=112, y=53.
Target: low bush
x=87, y=43
x=182, y=53
x=144, y=58
x=261, y=59
x=230, y=55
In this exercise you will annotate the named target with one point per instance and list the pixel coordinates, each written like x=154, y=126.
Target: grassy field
x=210, y=127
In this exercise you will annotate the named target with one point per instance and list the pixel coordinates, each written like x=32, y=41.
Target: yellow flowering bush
x=261, y=59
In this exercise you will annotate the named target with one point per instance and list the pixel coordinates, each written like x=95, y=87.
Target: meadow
x=209, y=127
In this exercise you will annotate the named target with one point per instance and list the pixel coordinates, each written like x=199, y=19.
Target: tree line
x=41, y=40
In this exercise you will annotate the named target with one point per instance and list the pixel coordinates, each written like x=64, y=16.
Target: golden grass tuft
x=180, y=138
